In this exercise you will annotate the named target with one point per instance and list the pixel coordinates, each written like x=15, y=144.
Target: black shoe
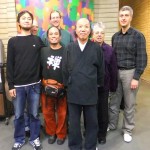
x=52, y=139
x=60, y=141
x=101, y=140
x=27, y=133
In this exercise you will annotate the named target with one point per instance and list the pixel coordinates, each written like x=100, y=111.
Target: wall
x=104, y=10
x=7, y=21
x=141, y=21
x=107, y=12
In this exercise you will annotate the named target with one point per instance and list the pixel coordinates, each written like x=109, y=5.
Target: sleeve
x=113, y=72
x=10, y=63
x=141, y=57
x=71, y=38
x=41, y=43
x=65, y=67
x=101, y=67
x=41, y=63
x=44, y=39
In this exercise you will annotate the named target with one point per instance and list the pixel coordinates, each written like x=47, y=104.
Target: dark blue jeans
x=31, y=94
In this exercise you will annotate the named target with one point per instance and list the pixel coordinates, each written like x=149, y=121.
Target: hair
x=99, y=25
x=53, y=12
x=22, y=13
x=53, y=27
x=128, y=8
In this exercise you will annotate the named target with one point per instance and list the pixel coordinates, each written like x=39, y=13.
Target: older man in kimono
x=83, y=71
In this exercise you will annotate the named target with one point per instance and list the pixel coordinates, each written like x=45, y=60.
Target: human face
x=125, y=18
x=34, y=30
x=54, y=36
x=98, y=35
x=55, y=19
x=25, y=22
x=83, y=30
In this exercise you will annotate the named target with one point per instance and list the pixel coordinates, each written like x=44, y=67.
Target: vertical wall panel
x=107, y=11
x=7, y=21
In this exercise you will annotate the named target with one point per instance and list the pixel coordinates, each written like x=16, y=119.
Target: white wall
x=106, y=11
x=7, y=21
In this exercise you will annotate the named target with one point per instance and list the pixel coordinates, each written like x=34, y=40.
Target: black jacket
x=83, y=72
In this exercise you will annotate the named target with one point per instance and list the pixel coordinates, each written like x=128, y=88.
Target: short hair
x=22, y=13
x=99, y=25
x=124, y=8
x=53, y=12
x=53, y=27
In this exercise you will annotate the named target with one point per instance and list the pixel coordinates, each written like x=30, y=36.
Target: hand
x=134, y=84
x=12, y=93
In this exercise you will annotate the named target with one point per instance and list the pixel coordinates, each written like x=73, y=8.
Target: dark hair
x=53, y=12
x=53, y=27
x=22, y=13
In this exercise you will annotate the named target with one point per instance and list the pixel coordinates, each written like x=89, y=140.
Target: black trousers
x=75, y=136
x=102, y=109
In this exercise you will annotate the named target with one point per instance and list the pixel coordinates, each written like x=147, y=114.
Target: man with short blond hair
x=130, y=48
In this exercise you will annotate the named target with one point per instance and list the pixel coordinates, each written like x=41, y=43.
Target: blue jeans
x=31, y=94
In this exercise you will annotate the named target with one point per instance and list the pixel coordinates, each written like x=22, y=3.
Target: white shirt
x=82, y=46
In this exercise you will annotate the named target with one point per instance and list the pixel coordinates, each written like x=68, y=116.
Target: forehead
x=53, y=29
x=26, y=15
x=97, y=29
x=83, y=22
x=124, y=12
x=53, y=14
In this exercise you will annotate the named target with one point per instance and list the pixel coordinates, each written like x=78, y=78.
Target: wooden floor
x=141, y=135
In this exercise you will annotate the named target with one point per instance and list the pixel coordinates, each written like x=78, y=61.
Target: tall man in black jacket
x=83, y=71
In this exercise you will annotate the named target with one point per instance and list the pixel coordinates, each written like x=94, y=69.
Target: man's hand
x=134, y=84
x=12, y=93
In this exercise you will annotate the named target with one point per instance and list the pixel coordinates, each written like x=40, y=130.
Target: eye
x=56, y=33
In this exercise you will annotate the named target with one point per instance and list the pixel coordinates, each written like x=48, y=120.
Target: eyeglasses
x=55, y=18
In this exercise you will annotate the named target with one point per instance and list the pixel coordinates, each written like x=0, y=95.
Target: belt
x=123, y=68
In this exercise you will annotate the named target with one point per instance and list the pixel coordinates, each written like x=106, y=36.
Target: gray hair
x=124, y=8
x=99, y=25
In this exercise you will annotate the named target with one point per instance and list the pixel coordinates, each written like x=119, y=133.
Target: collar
x=82, y=46
x=129, y=31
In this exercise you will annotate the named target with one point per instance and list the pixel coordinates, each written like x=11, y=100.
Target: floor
x=115, y=141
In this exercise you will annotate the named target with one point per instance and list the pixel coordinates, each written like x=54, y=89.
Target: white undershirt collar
x=82, y=46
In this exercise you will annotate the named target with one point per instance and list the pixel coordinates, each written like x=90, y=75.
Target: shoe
x=108, y=129
x=27, y=133
x=101, y=140
x=52, y=139
x=36, y=144
x=17, y=146
x=127, y=137
x=60, y=141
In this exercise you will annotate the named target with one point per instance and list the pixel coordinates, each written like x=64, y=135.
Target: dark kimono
x=83, y=72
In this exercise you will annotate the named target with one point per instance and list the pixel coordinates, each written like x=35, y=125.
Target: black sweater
x=23, y=60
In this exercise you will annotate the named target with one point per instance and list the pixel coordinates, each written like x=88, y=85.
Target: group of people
x=88, y=69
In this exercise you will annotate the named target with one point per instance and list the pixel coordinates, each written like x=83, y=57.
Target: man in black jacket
x=83, y=71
